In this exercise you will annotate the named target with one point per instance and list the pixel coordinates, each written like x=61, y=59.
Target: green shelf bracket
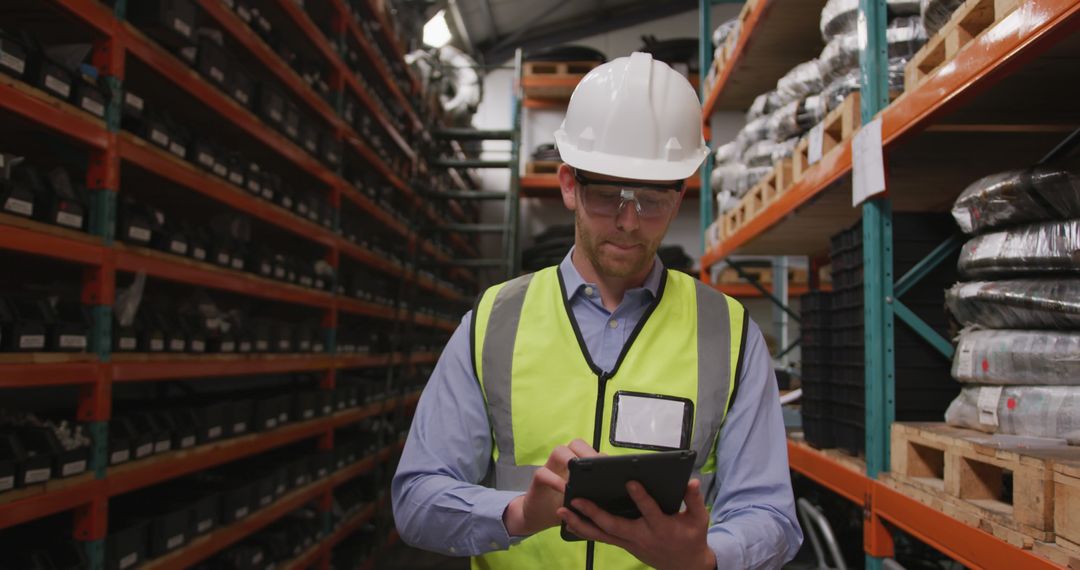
x=120, y=9
x=923, y=330
x=99, y=447
x=116, y=98
x=101, y=333
x=928, y=264
x=330, y=338
x=95, y=550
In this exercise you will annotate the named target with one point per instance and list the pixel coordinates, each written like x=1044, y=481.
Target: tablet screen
x=649, y=421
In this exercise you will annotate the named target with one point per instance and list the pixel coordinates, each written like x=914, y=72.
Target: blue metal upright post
x=877, y=281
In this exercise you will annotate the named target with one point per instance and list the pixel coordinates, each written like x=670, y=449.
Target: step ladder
x=508, y=264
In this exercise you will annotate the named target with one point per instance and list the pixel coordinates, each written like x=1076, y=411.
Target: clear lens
x=609, y=200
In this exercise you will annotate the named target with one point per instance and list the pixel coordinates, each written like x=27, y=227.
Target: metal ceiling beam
x=485, y=7
x=544, y=13
x=591, y=25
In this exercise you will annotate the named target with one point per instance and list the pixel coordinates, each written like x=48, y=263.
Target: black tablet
x=602, y=480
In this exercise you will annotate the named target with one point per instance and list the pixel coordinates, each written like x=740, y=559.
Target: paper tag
x=308, y=414
x=817, y=143
x=284, y=345
x=205, y=159
x=198, y=345
x=198, y=253
x=280, y=490
x=57, y=86
x=18, y=206
x=267, y=193
x=253, y=185
x=867, y=163
x=262, y=345
x=177, y=149
x=240, y=513
x=270, y=423
x=239, y=427
x=989, y=396
x=236, y=263
x=965, y=365
x=159, y=137
x=93, y=106
x=263, y=501
x=236, y=178
x=187, y=441
x=128, y=343
x=162, y=446
x=302, y=208
x=244, y=13
x=220, y=170
x=129, y=560
x=174, y=542
x=242, y=96
x=257, y=558
x=177, y=345
x=275, y=115
x=217, y=74
x=139, y=234
x=182, y=27
x=245, y=346
x=11, y=62
x=72, y=341
x=157, y=345
x=204, y=526
x=214, y=432
x=73, y=468
x=144, y=450
x=7, y=483
x=223, y=259
x=133, y=100
x=119, y=456
x=69, y=220
x=32, y=341
x=177, y=246
x=37, y=475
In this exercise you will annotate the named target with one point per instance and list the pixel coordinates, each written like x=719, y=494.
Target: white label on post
x=239, y=427
x=32, y=341
x=128, y=343
x=162, y=446
x=119, y=456
x=989, y=396
x=198, y=346
x=177, y=344
x=133, y=100
x=58, y=86
x=139, y=234
x=236, y=263
x=69, y=220
x=144, y=450
x=228, y=346
x=817, y=142
x=867, y=163
x=11, y=62
x=157, y=345
x=18, y=206
x=187, y=441
x=93, y=106
x=214, y=432
x=7, y=482
x=199, y=253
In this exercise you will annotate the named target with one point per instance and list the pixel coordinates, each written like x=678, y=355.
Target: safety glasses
x=608, y=198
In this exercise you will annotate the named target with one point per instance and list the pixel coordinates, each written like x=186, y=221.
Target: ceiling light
x=436, y=32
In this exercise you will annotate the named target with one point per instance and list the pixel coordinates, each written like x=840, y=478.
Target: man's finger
x=582, y=449
x=549, y=479
x=695, y=501
x=587, y=530
x=648, y=507
x=558, y=460
x=607, y=522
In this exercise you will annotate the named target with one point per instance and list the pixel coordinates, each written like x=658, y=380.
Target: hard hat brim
x=627, y=167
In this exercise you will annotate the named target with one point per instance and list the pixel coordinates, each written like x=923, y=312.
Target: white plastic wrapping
x=752, y=132
x=936, y=13
x=796, y=118
x=1031, y=411
x=725, y=175
x=1018, y=357
x=760, y=153
x=1048, y=247
x=1017, y=303
x=725, y=153
x=763, y=105
x=841, y=55
x=1018, y=197
x=836, y=91
x=725, y=201
x=840, y=16
x=801, y=81
x=721, y=33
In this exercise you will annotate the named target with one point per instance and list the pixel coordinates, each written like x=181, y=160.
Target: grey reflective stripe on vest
x=498, y=359
x=714, y=377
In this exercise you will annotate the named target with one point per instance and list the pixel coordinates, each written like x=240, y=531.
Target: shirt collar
x=575, y=282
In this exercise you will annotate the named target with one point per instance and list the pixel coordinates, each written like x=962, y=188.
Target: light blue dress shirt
x=439, y=505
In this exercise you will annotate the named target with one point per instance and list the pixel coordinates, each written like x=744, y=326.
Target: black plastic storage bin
x=171, y=22
x=9, y=457
x=25, y=324
x=125, y=546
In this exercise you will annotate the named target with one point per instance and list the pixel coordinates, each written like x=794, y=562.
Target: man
x=531, y=377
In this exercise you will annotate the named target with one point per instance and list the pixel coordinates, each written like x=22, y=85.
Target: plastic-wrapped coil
x=1048, y=247
x=721, y=33
x=796, y=118
x=785, y=148
x=936, y=13
x=725, y=153
x=801, y=81
x=841, y=55
x=763, y=105
x=1031, y=411
x=748, y=178
x=725, y=201
x=725, y=176
x=841, y=16
x=752, y=132
x=760, y=153
x=1017, y=304
x=1018, y=357
x=837, y=90
x=1018, y=197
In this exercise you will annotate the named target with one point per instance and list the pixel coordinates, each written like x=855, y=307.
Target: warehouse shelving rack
x=991, y=101
x=116, y=43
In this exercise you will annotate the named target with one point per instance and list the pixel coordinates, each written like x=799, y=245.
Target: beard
x=612, y=261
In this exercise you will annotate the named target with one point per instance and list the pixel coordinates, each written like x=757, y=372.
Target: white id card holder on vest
x=651, y=421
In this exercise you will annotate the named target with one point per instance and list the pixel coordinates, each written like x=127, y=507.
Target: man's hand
x=659, y=540
x=535, y=510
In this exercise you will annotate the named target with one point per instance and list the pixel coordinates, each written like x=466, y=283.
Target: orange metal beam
x=94, y=14
x=86, y=251
x=828, y=473
x=214, y=365
x=324, y=546
x=395, y=45
x=51, y=113
x=354, y=307
x=32, y=374
x=43, y=500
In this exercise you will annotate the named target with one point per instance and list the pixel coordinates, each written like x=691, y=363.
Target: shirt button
x=613, y=324
x=589, y=291
x=453, y=550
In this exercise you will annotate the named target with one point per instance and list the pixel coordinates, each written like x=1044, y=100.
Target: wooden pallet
x=541, y=167
x=764, y=275
x=1067, y=504
x=562, y=68
x=839, y=126
x=962, y=473
x=966, y=24
x=1061, y=553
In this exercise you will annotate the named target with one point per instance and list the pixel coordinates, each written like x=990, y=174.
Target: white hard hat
x=633, y=117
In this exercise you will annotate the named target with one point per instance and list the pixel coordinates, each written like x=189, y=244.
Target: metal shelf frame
x=1036, y=27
